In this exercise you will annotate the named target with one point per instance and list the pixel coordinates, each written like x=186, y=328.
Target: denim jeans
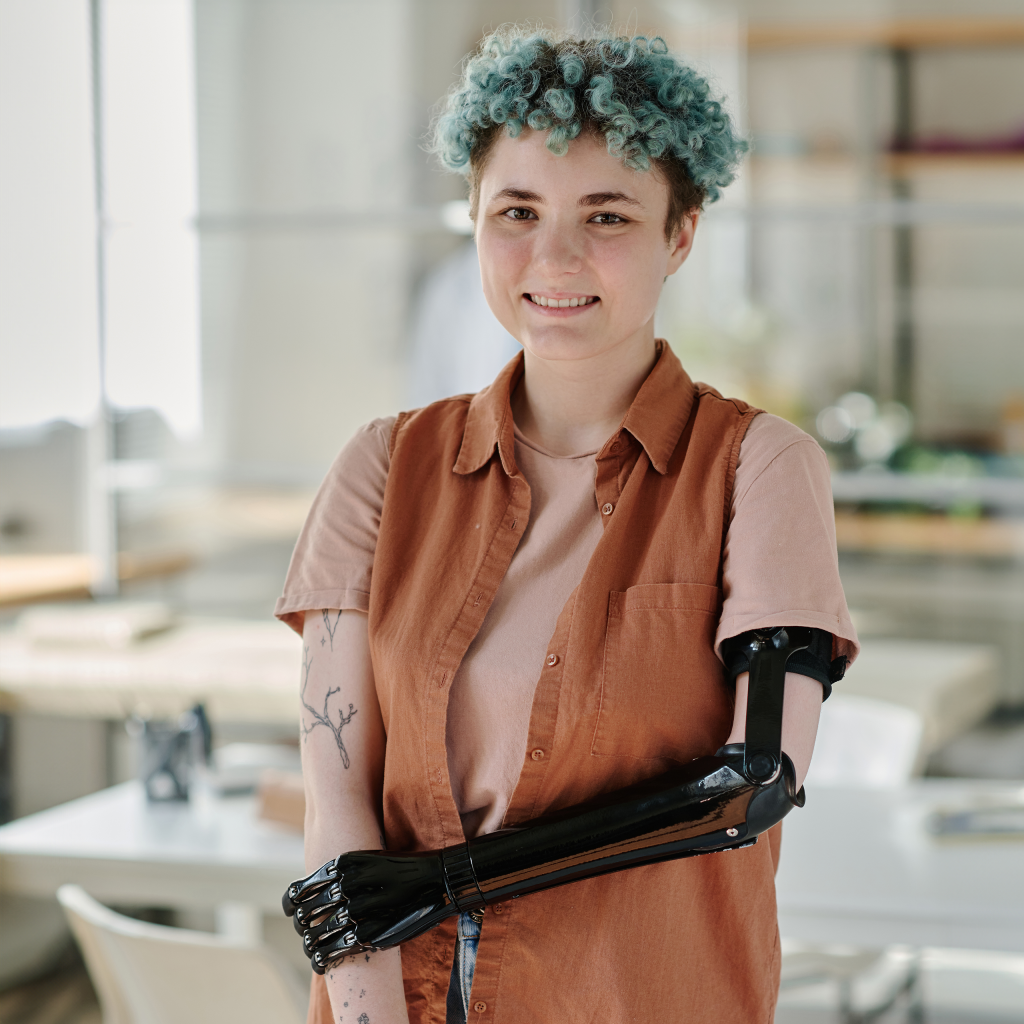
x=466, y=942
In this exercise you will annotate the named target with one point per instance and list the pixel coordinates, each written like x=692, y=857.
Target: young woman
x=516, y=601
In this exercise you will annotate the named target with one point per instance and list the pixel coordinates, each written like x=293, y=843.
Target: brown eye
x=607, y=218
x=519, y=213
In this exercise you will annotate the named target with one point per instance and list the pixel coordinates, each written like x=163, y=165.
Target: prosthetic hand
x=368, y=900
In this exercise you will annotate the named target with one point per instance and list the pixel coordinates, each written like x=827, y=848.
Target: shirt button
x=552, y=660
x=479, y=1006
x=607, y=508
x=497, y=909
x=537, y=755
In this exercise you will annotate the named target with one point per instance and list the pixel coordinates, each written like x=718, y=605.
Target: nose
x=558, y=249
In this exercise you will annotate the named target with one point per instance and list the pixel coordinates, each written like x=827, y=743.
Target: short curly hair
x=651, y=108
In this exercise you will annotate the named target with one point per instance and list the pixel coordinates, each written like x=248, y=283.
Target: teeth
x=541, y=300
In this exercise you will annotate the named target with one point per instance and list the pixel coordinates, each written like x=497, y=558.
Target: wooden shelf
x=902, y=163
x=929, y=535
x=896, y=34
x=25, y=579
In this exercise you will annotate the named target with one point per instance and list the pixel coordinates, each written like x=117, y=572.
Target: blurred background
x=223, y=249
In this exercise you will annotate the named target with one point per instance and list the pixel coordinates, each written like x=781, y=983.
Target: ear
x=682, y=242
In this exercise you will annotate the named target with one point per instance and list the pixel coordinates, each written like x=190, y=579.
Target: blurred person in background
x=457, y=344
x=517, y=600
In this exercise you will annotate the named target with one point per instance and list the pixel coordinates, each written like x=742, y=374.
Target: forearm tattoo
x=363, y=1018
x=323, y=718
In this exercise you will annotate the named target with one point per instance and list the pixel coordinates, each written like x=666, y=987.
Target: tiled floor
x=63, y=997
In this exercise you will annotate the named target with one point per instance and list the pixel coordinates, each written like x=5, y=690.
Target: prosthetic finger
x=338, y=946
x=712, y=804
x=305, y=888
x=322, y=934
x=325, y=902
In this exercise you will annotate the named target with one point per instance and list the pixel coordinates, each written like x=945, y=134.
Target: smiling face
x=572, y=248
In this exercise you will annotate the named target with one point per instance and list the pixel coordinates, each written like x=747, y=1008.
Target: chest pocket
x=662, y=690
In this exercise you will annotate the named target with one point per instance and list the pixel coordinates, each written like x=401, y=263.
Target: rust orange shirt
x=631, y=685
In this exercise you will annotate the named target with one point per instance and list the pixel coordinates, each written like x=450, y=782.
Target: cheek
x=633, y=272
x=501, y=262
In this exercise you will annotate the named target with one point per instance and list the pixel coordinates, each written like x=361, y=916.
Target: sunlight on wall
x=49, y=351
x=150, y=200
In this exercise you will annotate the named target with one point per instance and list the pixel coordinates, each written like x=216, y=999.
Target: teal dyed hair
x=649, y=106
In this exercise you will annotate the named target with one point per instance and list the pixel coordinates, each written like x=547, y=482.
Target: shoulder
x=443, y=408
x=365, y=454
x=333, y=559
x=773, y=446
x=440, y=424
x=359, y=473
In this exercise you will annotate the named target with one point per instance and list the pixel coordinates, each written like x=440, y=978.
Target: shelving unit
x=890, y=176
x=897, y=34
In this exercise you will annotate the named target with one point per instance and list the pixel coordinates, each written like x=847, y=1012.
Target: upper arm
x=779, y=563
x=332, y=563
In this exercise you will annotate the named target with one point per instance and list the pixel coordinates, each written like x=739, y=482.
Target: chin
x=560, y=345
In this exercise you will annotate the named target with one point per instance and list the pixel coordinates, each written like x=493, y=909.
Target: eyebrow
x=523, y=195
x=604, y=198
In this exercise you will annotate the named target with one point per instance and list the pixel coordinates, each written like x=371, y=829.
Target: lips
x=558, y=302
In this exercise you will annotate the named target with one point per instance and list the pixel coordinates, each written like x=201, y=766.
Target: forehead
x=588, y=168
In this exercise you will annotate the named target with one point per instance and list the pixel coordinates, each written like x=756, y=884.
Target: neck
x=574, y=405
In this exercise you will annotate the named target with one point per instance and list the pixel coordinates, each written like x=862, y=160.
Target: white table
x=242, y=671
x=208, y=853
x=859, y=867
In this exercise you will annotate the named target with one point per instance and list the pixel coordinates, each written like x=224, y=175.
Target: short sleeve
x=332, y=562
x=780, y=566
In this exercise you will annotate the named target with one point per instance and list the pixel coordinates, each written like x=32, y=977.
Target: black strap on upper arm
x=815, y=661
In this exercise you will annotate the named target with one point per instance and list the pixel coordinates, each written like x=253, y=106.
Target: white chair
x=864, y=742
x=895, y=977
x=149, y=974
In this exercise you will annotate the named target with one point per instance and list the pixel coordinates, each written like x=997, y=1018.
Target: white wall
x=48, y=285
x=303, y=321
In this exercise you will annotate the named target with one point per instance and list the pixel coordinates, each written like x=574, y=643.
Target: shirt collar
x=489, y=423
x=661, y=408
x=656, y=418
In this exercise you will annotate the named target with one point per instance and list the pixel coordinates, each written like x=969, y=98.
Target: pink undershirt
x=779, y=566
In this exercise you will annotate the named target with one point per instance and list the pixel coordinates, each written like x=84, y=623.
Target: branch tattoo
x=323, y=718
x=331, y=628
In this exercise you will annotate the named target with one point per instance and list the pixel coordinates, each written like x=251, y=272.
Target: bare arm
x=343, y=769
x=800, y=711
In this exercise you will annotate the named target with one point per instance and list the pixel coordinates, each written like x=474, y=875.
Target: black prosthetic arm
x=374, y=900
